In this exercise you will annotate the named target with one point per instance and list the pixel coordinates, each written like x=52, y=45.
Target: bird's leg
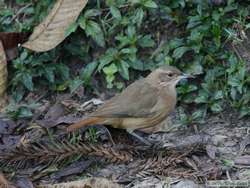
x=131, y=131
x=109, y=134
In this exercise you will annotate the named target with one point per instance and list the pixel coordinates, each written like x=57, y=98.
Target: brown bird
x=143, y=105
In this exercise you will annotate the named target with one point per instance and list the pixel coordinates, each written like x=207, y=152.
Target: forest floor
x=42, y=152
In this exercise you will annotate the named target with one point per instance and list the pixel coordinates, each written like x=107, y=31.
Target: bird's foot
x=141, y=139
x=108, y=133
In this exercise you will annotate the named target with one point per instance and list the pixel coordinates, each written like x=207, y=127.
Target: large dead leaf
x=10, y=41
x=51, y=31
x=3, y=76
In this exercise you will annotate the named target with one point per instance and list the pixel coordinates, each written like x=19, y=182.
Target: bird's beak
x=183, y=76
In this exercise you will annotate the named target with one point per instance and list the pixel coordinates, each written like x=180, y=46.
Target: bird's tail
x=85, y=122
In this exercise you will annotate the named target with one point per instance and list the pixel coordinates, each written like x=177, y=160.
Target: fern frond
x=55, y=152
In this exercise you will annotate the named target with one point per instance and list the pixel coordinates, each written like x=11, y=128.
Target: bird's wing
x=136, y=100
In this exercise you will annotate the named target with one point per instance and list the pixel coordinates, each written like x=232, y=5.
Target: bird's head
x=167, y=76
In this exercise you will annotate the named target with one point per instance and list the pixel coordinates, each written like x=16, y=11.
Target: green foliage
x=30, y=69
x=21, y=110
x=117, y=38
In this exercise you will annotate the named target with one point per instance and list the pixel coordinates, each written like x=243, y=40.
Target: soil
x=42, y=152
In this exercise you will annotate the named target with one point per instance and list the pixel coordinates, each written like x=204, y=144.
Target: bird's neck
x=170, y=90
x=167, y=91
x=169, y=95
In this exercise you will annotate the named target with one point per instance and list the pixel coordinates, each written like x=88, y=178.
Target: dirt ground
x=41, y=152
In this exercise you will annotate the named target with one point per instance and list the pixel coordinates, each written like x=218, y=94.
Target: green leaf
x=247, y=26
x=228, y=162
x=137, y=65
x=74, y=84
x=124, y=40
x=179, y=52
x=107, y=58
x=187, y=88
x=71, y=29
x=82, y=22
x=218, y=95
x=131, y=31
x=49, y=74
x=244, y=111
x=18, y=93
x=168, y=60
x=195, y=68
x=119, y=85
x=87, y=72
x=94, y=30
x=115, y=12
x=216, y=15
x=202, y=97
x=27, y=81
x=135, y=1
x=91, y=13
x=23, y=55
x=146, y=41
x=24, y=112
x=182, y=3
x=138, y=17
x=150, y=4
x=175, y=43
x=129, y=50
x=234, y=81
x=123, y=67
x=110, y=79
x=110, y=70
x=63, y=70
x=198, y=114
x=62, y=87
x=194, y=21
x=216, y=107
x=233, y=93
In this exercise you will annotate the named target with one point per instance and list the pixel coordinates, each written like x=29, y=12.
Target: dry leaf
x=86, y=183
x=3, y=181
x=51, y=31
x=10, y=41
x=3, y=77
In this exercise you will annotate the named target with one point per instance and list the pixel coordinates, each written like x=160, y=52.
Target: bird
x=142, y=106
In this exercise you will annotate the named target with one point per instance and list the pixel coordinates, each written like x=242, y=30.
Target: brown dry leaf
x=75, y=168
x=3, y=77
x=10, y=41
x=51, y=31
x=3, y=181
x=86, y=183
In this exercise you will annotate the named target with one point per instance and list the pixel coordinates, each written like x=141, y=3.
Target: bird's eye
x=170, y=74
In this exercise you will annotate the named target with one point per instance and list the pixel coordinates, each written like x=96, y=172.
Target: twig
x=19, y=12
